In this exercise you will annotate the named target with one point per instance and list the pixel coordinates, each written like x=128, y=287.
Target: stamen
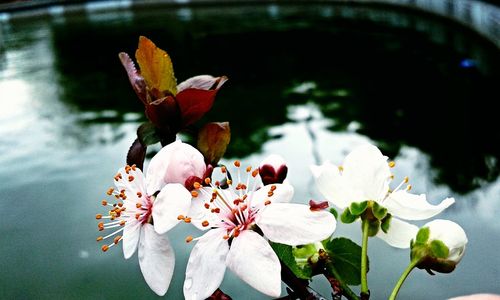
x=249, y=168
x=110, y=191
x=341, y=169
x=139, y=194
x=138, y=205
x=207, y=180
x=237, y=163
x=187, y=219
x=130, y=178
x=205, y=223
x=117, y=239
x=98, y=216
x=196, y=185
x=104, y=202
x=267, y=202
x=207, y=206
x=223, y=169
x=180, y=217
x=99, y=238
x=229, y=181
x=408, y=188
x=255, y=173
x=194, y=194
x=189, y=239
x=273, y=188
x=270, y=194
x=392, y=164
x=406, y=179
x=104, y=248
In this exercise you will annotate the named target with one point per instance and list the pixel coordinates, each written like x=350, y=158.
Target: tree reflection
x=401, y=86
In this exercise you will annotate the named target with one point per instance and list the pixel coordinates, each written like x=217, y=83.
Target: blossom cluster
x=245, y=213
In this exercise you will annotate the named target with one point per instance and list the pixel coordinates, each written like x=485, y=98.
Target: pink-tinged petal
x=366, y=171
x=206, y=265
x=331, y=185
x=202, y=82
x=282, y=193
x=199, y=213
x=136, y=80
x=131, y=234
x=172, y=201
x=254, y=261
x=174, y=163
x=185, y=161
x=400, y=234
x=295, y=224
x=156, y=259
x=414, y=207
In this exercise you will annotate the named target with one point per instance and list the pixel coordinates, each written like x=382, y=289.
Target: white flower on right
x=365, y=176
x=452, y=235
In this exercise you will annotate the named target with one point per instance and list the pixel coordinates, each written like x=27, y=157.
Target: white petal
x=157, y=168
x=206, y=265
x=295, y=224
x=131, y=234
x=332, y=186
x=254, y=261
x=451, y=234
x=132, y=182
x=366, y=170
x=282, y=194
x=198, y=213
x=414, y=207
x=156, y=259
x=400, y=233
x=172, y=201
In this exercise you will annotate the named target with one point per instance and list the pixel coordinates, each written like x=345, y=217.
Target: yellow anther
x=408, y=188
x=194, y=194
x=99, y=238
x=187, y=219
x=229, y=181
x=138, y=205
x=110, y=191
x=98, y=216
x=249, y=168
x=341, y=169
x=255, y=173
x=392, y=164
x=189, y=239
x=406, y=179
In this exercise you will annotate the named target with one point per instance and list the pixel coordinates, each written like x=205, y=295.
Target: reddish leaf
x=136, y=80
x=194, y=104
x=164, y=114
x=213, y=139
x=136, y=154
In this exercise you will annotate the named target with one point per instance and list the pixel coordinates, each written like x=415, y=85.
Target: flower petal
x=295, y=224
x=206, y=265
x=283, y=193
x=156, y=259
x=451, y=234
x=172, y=201
x=414, y=207
x=331, y=185
x=198, y=213
x=202, y=82
x=157, y=168
x=131, y=234
x=367, y=172
x=400, y=233
x=254, y=261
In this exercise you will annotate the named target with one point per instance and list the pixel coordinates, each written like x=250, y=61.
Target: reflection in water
x=309, y=82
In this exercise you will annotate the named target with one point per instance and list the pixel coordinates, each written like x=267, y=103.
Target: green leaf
x=346, y=258
x=285, y=254
x=357, y=208
x=334, y=212
x=423, y=235
x=386, y=223
x=147, y=134
x=379, y=211
x=347, y=217
x=439, y=249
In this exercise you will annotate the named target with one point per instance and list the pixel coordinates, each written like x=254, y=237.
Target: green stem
x=346, y=291
x=364, y=258
x=405, y=274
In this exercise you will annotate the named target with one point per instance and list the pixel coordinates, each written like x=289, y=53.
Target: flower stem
x=405, y=274
x=346, y=291
x=364, y=258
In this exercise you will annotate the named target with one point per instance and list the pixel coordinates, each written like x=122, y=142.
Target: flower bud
x=273, y=169
x=174, y=163
x=439, y=246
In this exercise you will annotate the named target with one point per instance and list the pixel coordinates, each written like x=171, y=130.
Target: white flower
x=452, y=236
x=236, y=217
x=138, y=206
x=365, y=176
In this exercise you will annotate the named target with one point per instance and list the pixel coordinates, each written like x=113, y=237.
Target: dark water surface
x=308, y=82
